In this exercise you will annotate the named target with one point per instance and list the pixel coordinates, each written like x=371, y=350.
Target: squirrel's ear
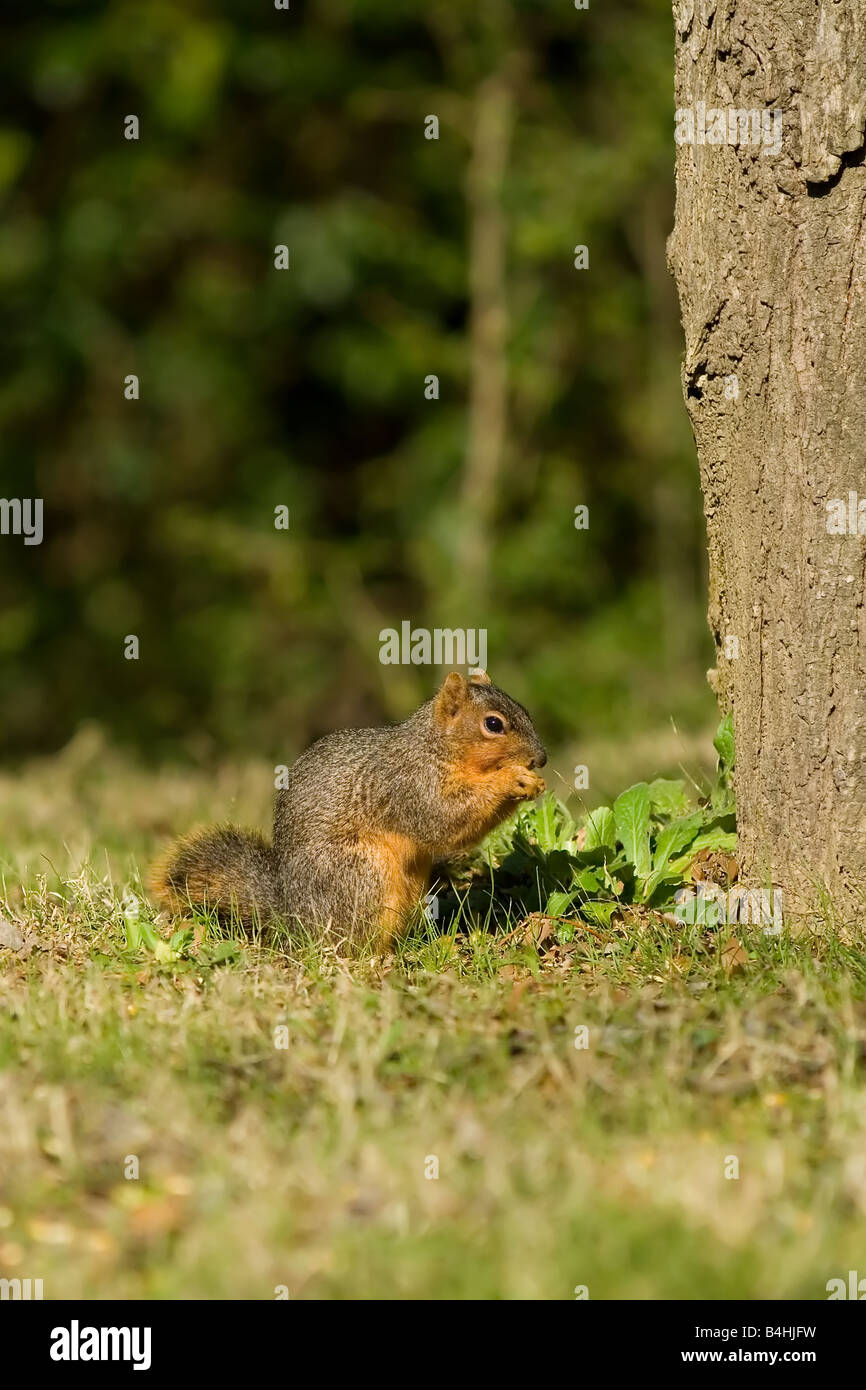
x=479, y=678
x=450, y=696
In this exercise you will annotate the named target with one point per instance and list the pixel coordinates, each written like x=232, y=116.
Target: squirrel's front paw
x=526, y=784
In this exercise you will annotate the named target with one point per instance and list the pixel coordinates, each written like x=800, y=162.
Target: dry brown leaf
x=532, y=931
x=714, y=866
x=512, y=972
x=733, y=956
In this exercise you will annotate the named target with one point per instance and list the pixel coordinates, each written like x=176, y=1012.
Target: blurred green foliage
x=306, y=387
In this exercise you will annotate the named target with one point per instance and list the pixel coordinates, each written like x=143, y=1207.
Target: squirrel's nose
x=539, y=760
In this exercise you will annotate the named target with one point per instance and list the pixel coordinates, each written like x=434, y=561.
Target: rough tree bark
x=769, y=254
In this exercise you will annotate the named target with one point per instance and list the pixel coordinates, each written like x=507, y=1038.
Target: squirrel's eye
x=494, y=725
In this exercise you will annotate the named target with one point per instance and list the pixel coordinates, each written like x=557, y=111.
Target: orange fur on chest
x=490, y=788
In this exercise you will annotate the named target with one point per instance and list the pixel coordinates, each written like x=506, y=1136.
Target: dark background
x=306, y=387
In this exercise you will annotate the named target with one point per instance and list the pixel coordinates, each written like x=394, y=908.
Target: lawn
x=634, y=1106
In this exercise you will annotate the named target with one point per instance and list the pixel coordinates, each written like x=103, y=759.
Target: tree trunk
x=769, y=255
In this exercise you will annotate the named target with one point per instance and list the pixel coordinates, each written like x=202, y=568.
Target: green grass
x=262, y=1166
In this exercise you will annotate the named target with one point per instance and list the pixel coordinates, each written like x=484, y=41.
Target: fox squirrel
x=365, y=816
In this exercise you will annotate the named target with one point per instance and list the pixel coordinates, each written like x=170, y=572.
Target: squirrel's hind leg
x=362, y=894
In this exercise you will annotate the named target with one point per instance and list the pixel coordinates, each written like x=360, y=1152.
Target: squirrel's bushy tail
x=219, y=869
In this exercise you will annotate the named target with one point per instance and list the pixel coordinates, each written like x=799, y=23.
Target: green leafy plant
x=635, y=853
x=142, y=936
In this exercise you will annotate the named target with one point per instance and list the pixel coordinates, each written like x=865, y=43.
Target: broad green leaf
x=545, y=823
x=565, y=825
x=599, y=912
x=558, y=869
x=670, y=841
x=667, y=797
x=632, y=815
x=600, y=828
x=558, y=904
x=676, y=836
x=716, y=838
x=588, y=881
x=223, y=951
